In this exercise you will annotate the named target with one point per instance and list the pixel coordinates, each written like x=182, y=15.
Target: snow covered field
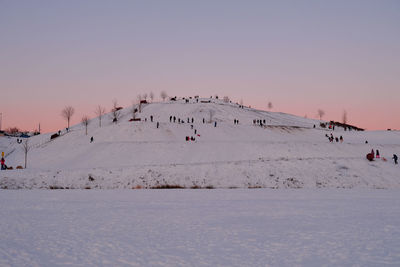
x=241, y=227
x=287, y=152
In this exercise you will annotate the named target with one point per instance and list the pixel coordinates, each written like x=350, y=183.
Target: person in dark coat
x=151, y=118
x=170, y=118
x=158, y=124
x=395, y=158
x=377, y=154
x=215, y=124
x=91, y=139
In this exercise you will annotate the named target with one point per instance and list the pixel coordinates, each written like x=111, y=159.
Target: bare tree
x=163, y=95
x=344, y=118
x=321, y=113
x=115, y=112
x=241, y=102
x=133, y=110
x=67, y=113
x=270, y=105
x=211, y=114
x=145, y=96
x=226, y=99
x=26, y=147
x=139, y=99
x=100, y=111
x=85, y=121
x=151, y=96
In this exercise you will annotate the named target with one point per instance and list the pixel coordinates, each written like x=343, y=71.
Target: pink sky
x=335, y=56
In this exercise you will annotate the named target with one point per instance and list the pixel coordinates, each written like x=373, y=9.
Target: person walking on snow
x=377, y=154
x=395, y=158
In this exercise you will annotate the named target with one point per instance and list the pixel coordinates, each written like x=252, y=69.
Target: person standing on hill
x=2, y=161
x=395, y=158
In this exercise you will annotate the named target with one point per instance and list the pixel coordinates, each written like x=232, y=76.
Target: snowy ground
x=287, y=153
x=242, y=227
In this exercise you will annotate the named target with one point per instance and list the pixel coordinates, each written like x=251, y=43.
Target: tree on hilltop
x=67, y=113
x=115, y=111
x=321, y=113
x=26, y=147
x=163, y=95
x=344, y=117
x=85, y=121
x=100, y=111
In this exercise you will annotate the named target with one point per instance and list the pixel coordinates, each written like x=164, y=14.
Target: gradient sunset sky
x=300, y=55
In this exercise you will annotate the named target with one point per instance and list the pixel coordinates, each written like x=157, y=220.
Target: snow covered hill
x=286, y=152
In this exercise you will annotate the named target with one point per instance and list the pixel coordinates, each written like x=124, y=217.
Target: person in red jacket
x=3, y=164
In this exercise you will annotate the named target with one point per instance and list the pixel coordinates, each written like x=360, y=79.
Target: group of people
x=235, y=121
x=331, y=138
x=259, y=122
x=376, y=154
x=174, y=119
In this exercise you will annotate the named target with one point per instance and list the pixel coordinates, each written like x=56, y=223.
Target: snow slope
x=287, y=153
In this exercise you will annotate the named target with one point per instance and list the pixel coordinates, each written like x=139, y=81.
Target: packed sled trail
x=285, y=152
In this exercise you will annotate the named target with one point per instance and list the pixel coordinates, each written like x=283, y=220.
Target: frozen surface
x=242, y=227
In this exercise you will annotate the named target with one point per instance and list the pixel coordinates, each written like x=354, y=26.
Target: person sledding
x=371, y=156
